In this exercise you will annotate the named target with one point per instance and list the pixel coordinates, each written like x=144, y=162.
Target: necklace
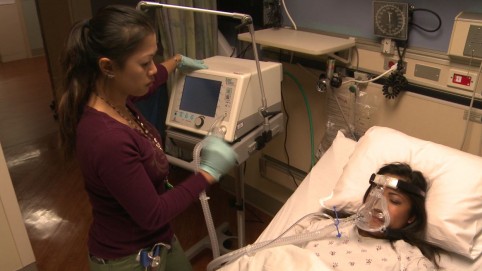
x=138, y=125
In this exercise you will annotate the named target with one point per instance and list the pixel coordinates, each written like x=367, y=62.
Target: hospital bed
x=453, y=202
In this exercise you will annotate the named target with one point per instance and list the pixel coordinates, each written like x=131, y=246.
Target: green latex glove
x=188, y=64
x=217, y=157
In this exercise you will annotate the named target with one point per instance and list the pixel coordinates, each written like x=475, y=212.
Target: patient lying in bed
x=387, y=235
x=454, y=221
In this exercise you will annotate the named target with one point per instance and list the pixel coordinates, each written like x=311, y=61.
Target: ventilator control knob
x=199, y=122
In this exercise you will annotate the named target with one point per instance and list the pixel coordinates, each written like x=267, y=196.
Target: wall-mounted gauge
x=390, y=19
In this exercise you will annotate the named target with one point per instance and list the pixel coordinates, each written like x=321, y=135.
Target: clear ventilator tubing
x=213, y=238
x=293, y=239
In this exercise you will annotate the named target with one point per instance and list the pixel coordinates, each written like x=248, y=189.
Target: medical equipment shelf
x=299, y=41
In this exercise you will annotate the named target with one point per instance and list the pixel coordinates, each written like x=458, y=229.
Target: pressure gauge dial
x=391, y=19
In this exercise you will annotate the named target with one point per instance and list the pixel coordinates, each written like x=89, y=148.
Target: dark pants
x=174, y=259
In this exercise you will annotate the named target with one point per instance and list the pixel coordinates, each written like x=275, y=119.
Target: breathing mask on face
x=373, y=215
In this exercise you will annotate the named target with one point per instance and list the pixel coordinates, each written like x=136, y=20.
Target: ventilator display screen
x=200, y=96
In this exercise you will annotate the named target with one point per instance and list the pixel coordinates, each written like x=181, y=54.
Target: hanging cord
x=423, y=28
x=464, y=138
x=294, y=27
x=286, y=139
x=289, y=16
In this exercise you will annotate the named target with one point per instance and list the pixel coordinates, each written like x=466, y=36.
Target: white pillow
x=454, y=197
x=325, y=174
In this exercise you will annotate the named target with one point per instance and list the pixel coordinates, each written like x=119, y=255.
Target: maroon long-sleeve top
x=124, y=177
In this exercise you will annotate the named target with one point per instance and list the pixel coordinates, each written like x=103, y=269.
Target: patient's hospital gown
x=349, y=252
x=355, y=252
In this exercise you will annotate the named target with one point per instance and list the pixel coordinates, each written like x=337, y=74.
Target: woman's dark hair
x=115, y=32
x=413, y=233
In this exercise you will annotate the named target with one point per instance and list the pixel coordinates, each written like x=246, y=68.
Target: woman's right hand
x=217, y=157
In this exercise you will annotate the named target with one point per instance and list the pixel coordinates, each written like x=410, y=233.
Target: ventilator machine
x=227, y=96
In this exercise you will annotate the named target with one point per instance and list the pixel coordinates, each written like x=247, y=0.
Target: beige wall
x=417, y=115
x=15, y=249
x=20, y=25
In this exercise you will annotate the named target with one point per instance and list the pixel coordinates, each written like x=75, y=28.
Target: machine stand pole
x=239, y=189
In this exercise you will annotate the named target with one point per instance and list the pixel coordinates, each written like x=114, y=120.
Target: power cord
x=289, y=16
x=286, y=140
x=429, y=11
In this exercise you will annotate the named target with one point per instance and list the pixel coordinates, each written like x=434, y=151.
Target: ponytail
x=79, y=66
x=115, y=32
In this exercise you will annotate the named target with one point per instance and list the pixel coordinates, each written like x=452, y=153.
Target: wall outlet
x=389, y=62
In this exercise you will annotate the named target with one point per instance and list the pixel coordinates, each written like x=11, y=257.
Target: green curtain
x=189, y=33
x=193, y=34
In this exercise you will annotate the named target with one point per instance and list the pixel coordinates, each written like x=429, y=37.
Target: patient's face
x=399, y=207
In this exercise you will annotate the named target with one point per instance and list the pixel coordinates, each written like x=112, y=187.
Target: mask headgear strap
x=396, y=184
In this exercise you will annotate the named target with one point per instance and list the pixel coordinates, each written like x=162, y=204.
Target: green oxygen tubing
x=310, y=119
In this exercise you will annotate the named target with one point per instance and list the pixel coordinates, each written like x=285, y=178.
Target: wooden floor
x=50, y=190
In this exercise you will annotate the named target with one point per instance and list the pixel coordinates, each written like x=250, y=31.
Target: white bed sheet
x=319, y=183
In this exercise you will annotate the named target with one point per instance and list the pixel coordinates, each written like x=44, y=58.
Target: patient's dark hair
x=413, y=233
